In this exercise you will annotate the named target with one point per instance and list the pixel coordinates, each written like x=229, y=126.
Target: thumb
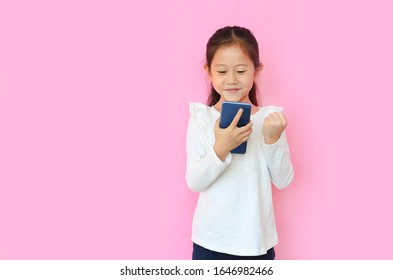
x=217, y=124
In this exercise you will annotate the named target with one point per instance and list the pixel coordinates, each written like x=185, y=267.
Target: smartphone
x=228, y=112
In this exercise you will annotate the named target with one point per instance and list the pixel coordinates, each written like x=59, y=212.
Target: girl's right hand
x=229, y=138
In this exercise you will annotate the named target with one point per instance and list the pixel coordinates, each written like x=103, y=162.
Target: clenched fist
x=273, y=125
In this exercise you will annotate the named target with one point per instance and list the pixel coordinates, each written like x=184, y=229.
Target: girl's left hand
x=273, y=125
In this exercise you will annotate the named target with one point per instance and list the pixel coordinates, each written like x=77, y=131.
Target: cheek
x=250, y=85
x=249, y=80
x=216, y=80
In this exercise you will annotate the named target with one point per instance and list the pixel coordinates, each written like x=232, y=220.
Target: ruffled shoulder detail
x=266, y=110
x=197, y=106
x=199, y=111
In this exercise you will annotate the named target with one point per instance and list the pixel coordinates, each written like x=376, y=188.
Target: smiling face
x=232, y=74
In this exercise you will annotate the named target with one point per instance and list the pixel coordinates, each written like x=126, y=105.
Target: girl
x=234, y=217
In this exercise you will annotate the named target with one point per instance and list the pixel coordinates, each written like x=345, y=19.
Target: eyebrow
x=240, y=64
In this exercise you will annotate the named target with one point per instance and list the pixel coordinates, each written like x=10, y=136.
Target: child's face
x=232, y=74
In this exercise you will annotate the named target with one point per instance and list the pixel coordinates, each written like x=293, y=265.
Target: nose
x=232, y=78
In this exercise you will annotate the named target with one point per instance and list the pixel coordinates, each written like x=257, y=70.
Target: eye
x=241, y=72
x=221, y=72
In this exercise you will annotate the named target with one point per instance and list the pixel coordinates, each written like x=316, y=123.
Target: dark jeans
x=201, y=253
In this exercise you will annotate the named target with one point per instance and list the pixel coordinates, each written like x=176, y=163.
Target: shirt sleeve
x=279, y=162
x=203, y=165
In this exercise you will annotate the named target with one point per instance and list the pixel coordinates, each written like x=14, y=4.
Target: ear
x=207, y=69
x=258, y=70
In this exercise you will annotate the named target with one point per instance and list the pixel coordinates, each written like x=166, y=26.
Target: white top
x=234, y=214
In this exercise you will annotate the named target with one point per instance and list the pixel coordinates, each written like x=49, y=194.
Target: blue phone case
x=228, y=112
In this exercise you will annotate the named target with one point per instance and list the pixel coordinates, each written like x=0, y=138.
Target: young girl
x=234, y=217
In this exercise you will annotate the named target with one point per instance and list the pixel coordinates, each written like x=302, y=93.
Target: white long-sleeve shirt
x=234, y=213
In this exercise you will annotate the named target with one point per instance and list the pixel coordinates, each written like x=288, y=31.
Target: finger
x=267, y=120
x=276, y=116
x=217, y=124
x=245, y=128
x=245, y=134
x=236, y=118
x=245, y=138
x=271, y=117
x=283, y=118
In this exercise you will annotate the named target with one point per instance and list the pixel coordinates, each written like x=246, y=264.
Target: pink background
x=94, y=109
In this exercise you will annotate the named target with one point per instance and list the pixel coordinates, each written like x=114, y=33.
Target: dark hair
x=229, y=36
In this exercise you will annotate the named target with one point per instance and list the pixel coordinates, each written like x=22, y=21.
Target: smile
x=232, y=90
